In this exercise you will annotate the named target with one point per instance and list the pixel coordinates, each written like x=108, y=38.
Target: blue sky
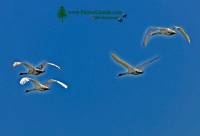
x=162, y=102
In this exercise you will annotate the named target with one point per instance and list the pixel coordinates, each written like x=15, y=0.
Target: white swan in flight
x=133, y=70
x=39, y=86
x=34, y=70
x=164, y=31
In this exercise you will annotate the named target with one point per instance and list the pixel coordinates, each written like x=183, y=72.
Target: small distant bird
x=133, y=70
x=39, y=86
x=124, y=15
x=164, y=31
x=34, y=70
x=121, y=18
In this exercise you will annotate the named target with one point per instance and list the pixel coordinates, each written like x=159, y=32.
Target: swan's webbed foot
x=23, y=73
x=29, y=90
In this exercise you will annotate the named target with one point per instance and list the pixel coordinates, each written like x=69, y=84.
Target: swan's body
x=133, y=70
x=39, y=86
x=164, y=31
x=34, y=70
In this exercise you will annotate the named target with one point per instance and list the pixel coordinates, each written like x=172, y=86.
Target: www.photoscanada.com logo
x=94, y=14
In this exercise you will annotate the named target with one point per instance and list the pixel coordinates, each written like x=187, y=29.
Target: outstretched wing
x=149, y=33
x=29, y=66
x=183, y=32
x=122, y=62
x=27, y=79
x=56, y=81
x=148, y=62
x=43, y=65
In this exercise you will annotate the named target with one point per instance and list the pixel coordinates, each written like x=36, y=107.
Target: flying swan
x=39, y=86
x=164, y=31
x=34, y=70
x=133, y=70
